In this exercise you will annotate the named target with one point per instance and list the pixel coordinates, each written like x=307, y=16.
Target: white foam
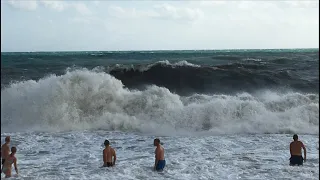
x=179, y=63
x=83, y=99
x=167, y=63
x=143, y=68
x=77, y=155
x=252, y=59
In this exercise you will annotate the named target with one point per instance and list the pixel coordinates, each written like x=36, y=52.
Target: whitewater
x=59, y=124
x=219, y=114
x=83, y=99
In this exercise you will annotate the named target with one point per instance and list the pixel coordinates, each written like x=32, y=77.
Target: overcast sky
x=157, y=25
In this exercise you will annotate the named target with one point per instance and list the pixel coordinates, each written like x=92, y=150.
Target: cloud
x=58, y=6
x=62, y=5
x=170, y=25
x=301, y=4
x=96, y=3
x=211, y=3
x=163, y=11
x=124, y=13
x=55, y=5
x=24, y=5
x=82, y=8
x=169, y=12
x=247, y=5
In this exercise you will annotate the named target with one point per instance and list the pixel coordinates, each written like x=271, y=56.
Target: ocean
x=220, y=114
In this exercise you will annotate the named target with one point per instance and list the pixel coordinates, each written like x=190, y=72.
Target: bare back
x=9, y=161
x=108, y=153
x=159, y=153
x=5, y=151
x=295, y=148
x=6, y=168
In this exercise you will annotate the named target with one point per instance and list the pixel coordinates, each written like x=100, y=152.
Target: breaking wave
x=87, y=99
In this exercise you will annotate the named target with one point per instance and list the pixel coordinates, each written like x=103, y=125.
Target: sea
x=219, y=114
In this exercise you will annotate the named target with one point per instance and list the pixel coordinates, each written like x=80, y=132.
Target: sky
x=43, y=25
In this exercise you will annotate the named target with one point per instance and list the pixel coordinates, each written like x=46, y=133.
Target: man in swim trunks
x=108, y=153
x=295, y=152
x=11, y=159
x=5, y=149
x=160, y=162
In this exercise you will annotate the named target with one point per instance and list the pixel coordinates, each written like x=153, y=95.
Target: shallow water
x=78, y=155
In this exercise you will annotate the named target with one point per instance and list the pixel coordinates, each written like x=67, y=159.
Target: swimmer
x=11, y=159
x=295, y=152
x=108, y=153
x=5, y=149
x=160, y=162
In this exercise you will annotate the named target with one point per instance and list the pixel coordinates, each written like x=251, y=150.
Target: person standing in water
x=11, y=159
x=160, y=162
x=5, y=150
x=108, y=153
x=295, y=152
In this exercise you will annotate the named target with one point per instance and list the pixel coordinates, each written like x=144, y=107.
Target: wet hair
x=295, y=137
x=106, y=142
x=157, y=140
x=13, y=149
x=7, y=139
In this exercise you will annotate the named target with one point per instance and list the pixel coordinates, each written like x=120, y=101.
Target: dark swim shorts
x=161, y=164
x=296, y=160
x=108, y=164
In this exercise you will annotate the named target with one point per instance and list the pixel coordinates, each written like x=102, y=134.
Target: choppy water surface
x=78, y=155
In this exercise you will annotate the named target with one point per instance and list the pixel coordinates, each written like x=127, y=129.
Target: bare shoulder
x=157, y=150
x=291, y=143
x=161, y=149
x=5, y=147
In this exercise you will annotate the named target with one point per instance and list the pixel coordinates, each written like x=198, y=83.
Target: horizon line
x=158, y=50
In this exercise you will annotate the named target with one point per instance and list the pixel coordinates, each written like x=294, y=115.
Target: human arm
x=114, y=157
x=304, y=152
x=15, y=165
x=157, y=154
x=104, y=157
x=291, y=149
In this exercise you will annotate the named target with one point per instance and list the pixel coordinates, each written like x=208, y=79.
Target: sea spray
x=84, y=99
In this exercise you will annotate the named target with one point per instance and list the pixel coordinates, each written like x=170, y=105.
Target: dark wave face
x=183, y=72
x=229, y=78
